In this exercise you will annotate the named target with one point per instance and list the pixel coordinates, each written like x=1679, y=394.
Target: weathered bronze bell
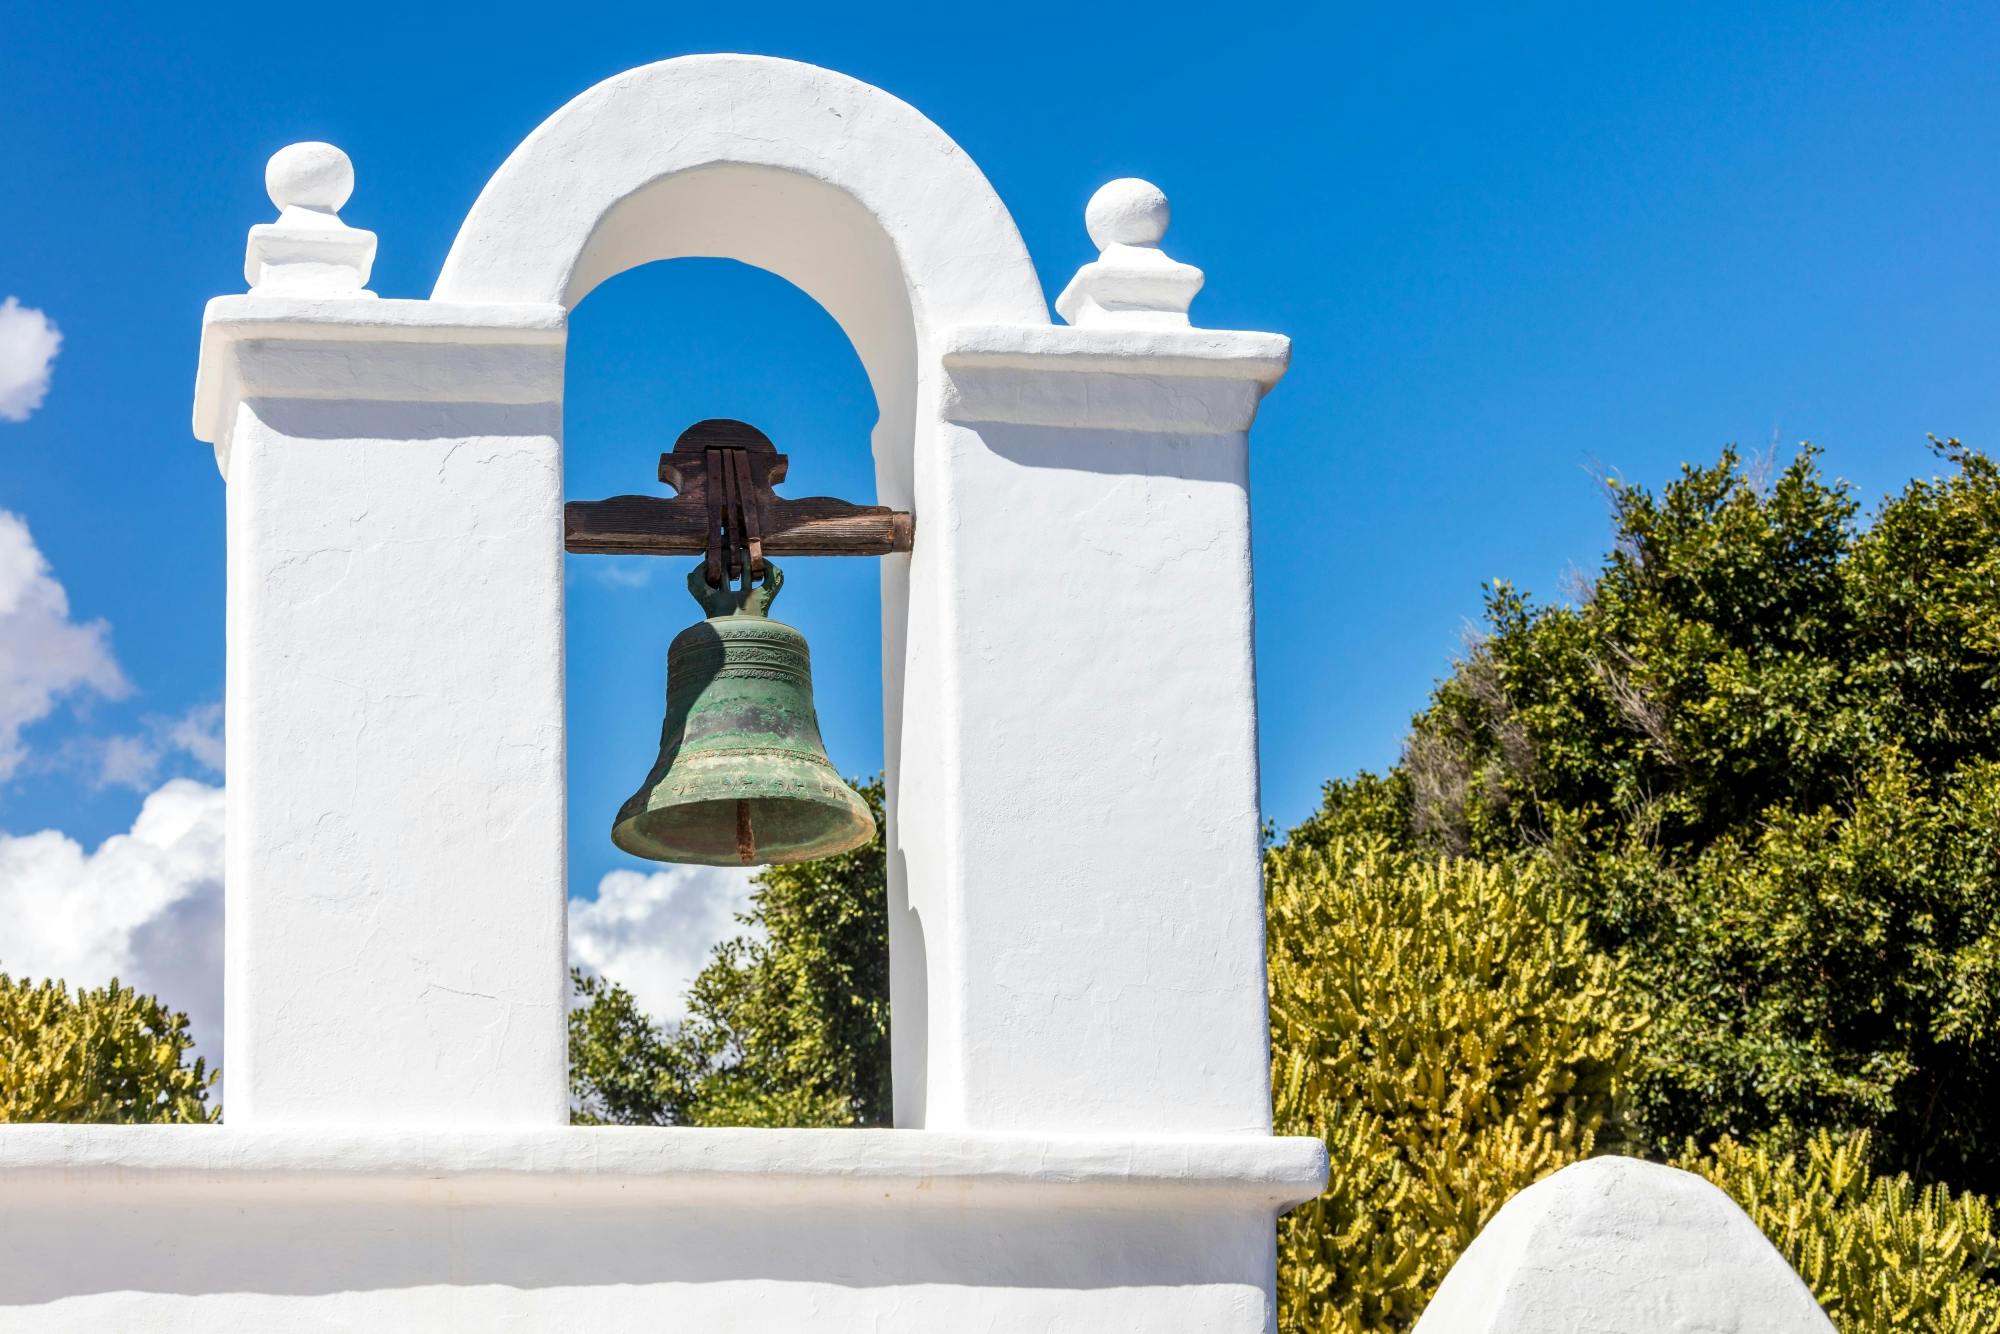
x=743, y=778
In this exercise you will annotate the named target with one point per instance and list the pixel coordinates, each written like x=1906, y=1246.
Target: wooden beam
x=687, y=524
x=678, y=526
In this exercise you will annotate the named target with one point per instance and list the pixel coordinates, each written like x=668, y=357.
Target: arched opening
x=650, y=352
x=870, y=209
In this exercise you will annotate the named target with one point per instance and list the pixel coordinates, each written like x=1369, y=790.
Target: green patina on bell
x=743, y=778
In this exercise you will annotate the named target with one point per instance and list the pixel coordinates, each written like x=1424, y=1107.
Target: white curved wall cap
x=1622, y=1246
x=846, y=192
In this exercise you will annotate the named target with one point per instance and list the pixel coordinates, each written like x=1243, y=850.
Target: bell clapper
x=746, y=838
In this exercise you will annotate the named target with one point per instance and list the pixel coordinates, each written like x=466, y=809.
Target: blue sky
x=1514, y=246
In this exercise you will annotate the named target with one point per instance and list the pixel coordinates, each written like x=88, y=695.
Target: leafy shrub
x=104, y=1055
x=1446, y=1029
x=1882, y=1255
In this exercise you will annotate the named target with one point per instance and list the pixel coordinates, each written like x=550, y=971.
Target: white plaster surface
x=316, y=178
x=841, y=189
x=1621, y=1246
x=206, y=1228
x=395, y=849
x=1031, y=975
x=777, y=1166
x=1127, y=211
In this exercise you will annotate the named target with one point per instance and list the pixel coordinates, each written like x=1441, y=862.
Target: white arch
x=847, y=192
x=861, y=202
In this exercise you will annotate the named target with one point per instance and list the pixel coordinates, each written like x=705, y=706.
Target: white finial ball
x=310, y=175
x=1127, y=211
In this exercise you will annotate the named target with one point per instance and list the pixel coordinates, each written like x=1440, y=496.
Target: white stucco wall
x=174, y=1228
x=1101, y=898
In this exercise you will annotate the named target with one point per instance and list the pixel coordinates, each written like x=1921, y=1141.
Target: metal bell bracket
x=728, y=600
x=725, y=511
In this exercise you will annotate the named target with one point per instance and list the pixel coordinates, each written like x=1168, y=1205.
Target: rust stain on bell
x=743, y=778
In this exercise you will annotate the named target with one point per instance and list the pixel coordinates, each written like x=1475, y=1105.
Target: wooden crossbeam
x=679, y=525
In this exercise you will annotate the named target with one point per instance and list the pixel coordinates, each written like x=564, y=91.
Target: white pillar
x=1100, y=903
x=395, y=905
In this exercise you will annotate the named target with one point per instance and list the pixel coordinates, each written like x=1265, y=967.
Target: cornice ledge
x=369, y=349
x=250, y=315
x=578, y=1163
x=1188, y=382
x=1202, y=353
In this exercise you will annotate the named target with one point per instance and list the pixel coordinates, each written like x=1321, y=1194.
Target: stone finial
x=1132, y=283
x=309, y=251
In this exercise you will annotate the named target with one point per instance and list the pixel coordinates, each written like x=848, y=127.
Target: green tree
x=1762, y=751
x=624, y=1069
x=788, y=1025
x=104, y=1055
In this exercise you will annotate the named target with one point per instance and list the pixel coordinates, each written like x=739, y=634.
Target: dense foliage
x=788, y=1025
x=1445, y=1027
x=1882, y=1255
x=624, y=1069
x=104, y=1055
x=1762, y=750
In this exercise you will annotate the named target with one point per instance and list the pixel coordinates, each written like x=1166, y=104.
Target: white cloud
x=145, y=907
x=198, y=732
x=652, y=933
x=135, y=761
x=44, y=655
x=127, y=761
x=623, y=572
x=28, y=343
